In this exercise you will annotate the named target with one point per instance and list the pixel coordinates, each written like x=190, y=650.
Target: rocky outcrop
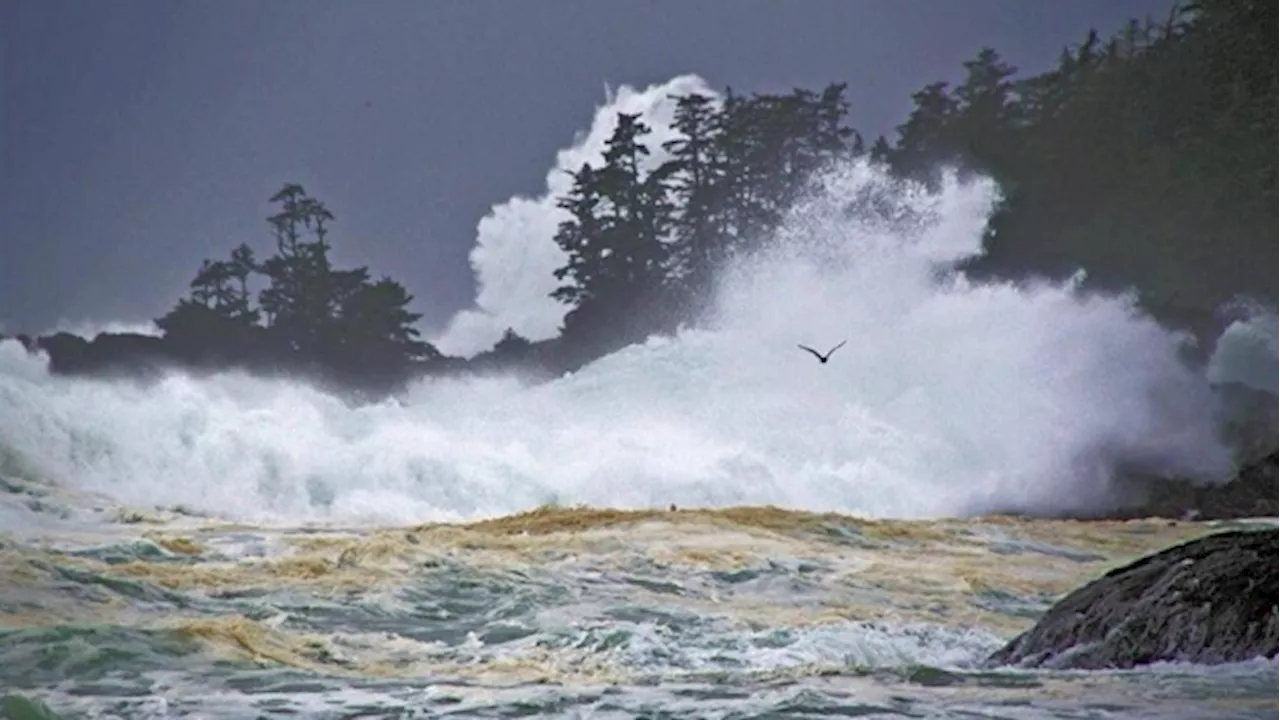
x=1252, y=492
x=1211, y=600
x=108, y=353
x=252, y=350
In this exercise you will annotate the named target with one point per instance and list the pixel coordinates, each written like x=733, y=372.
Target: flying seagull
x=823, y=358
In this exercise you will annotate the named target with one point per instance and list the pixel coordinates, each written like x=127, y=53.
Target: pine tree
x=982, y=120
x=924, y=138
x=374, y=319
x=615, y=236
x=324, y=316
x=305, y=292
x=578, y=238
x=694, y=173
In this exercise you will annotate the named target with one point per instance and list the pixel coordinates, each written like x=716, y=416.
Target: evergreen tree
x=324, y=316
x=1144, y=158
x=219, y=305
x=577, y=236
x=982, y=120
x=741, y=154
x=304, y=292
x=374, y=318
x=615, y=237
x=923, y=139
x=243, y=266
x=733, y=170
x=695, y=174
x=636, y=225
x=767, y=149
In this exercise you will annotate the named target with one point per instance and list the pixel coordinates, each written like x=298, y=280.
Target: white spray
x=950, y=398
x=515, y=254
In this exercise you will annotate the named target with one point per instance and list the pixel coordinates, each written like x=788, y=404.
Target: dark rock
x=106, y=354
x=1252, y=492
x=1247, y=418
x=346, y=371
x=1210, y=600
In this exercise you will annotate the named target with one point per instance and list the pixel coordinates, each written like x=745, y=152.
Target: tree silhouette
x=615, y=236
x=318, y=315
x=578, y=237
x=374, y=318
x=304, y=291
x=1145, y=158
x=695, y=173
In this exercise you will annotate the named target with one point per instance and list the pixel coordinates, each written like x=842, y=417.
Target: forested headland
x=1145, y=157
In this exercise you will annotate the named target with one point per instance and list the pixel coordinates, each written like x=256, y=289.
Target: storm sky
x=138, y=137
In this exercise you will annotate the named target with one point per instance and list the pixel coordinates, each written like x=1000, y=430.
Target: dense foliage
x=308, y=310
x=1146, y=159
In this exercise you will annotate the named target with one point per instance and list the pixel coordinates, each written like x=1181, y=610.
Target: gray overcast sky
x=138, y=137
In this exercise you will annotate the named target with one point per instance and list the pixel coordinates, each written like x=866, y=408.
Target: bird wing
x=837, y=347
x=815, y=352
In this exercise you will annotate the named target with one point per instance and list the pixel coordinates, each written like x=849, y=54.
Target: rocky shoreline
x=1211, y=600
x=1251, y=493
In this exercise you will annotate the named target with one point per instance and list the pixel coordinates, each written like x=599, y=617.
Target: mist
x=515, y=254
x=951, y=398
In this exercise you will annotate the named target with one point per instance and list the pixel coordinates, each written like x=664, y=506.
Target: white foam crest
x=982, y=395
x=654, y=647
x=950, y=398
x=515, y=252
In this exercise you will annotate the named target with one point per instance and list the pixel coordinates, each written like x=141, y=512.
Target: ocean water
x=711, y=525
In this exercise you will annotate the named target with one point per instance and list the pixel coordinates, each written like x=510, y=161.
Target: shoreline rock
x=1211, y=600
x=1252, y=492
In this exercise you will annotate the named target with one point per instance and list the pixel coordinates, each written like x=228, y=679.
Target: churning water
x=239, y=547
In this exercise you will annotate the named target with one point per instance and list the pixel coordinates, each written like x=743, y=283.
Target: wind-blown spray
x=515, y=255
x=950, y=398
